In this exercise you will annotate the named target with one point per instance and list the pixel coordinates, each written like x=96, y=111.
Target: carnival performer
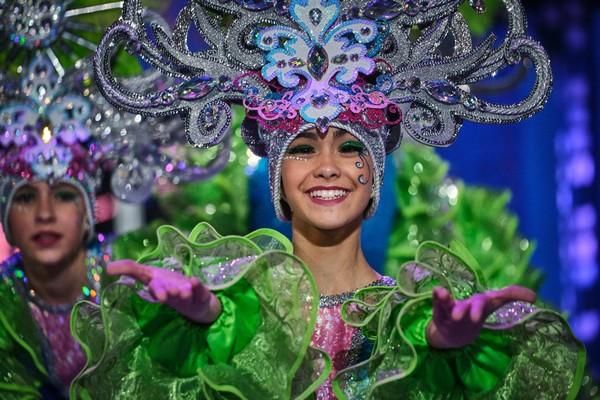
x=57, y=137
x=47, y=193
x=258, y=317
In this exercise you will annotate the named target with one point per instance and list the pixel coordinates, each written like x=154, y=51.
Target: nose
x=327, y=167
x=44, y=211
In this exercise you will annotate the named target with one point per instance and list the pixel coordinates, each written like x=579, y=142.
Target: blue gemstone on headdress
x=443, y=91
x=317, y=61
x=255, y=5
x=195, y=88
x=315, y=16
x=382, y=9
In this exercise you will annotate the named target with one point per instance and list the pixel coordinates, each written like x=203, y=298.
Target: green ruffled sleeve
x=254, y=350
x=192, y=346
x=523, y=352
x=473, y=370
x=22, y=372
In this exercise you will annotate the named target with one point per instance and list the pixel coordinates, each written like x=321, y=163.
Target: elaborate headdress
x=55, y=126
x=302, y=64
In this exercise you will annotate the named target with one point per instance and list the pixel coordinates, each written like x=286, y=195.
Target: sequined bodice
x=63, y=354
x=346, y=345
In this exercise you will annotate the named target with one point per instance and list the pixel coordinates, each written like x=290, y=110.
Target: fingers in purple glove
x=477, y=309
x=460, y=309
x=130, y=268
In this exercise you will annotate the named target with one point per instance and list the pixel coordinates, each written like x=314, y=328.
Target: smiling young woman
x=258, y=317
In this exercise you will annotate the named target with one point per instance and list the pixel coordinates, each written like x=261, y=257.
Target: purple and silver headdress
x=55, y=126
x=303, y=64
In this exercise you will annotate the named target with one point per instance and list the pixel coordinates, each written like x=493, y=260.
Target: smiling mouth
x=328, y=194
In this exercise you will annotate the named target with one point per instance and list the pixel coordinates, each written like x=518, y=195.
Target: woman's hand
x=186, y=295
x=457, y=323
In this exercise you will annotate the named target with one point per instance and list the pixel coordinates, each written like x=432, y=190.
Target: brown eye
x=65, y=195
x=24, y=197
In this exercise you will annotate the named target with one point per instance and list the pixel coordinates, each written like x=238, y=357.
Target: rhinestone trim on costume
x=337, y=299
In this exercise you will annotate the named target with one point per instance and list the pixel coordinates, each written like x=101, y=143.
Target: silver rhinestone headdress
x=317, y=62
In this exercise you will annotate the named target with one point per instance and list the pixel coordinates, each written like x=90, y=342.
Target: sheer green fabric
x=22, y=371
x=524, y=352
x=138, y=349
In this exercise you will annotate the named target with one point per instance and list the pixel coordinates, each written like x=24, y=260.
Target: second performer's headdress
x=56, y=127
x=360, y=66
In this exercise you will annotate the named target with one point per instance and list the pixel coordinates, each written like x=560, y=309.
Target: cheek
x=73, y=218
x=291, y=178
x=20, y=223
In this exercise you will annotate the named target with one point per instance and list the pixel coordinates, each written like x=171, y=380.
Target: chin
x=333, y=221
x=49, y=256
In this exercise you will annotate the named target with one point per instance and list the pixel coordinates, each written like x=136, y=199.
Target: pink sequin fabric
x=346, y=345
x=64, y=354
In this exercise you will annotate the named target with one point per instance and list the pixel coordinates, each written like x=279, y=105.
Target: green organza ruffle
x=254, y=350
x=22, y=371
x=524, y=352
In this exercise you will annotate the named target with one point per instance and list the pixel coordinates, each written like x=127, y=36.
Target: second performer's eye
x=352, y=146
x=24, y=197
x=300, y=149
x=65, y=195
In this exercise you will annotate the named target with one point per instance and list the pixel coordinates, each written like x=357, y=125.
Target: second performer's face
x=48, y=222
x=327, y=179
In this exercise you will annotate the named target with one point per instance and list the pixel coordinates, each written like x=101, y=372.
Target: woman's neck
x=334, y=257
x=58, y=284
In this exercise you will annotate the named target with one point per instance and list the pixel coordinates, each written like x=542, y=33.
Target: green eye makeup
x=352, y=146
x=301, y=149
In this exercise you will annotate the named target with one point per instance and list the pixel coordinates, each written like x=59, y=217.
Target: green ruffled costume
x=22, y=369
x=137, y=349
x=259, y=348
x=523, y=352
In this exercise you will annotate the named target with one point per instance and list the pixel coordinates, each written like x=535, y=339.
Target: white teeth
x=328, y=194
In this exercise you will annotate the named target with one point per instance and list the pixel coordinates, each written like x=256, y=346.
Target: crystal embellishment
x=318, y=61
x=315, y=16
x=443, y=91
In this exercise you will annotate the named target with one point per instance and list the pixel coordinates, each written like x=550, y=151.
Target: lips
x=46, y=238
